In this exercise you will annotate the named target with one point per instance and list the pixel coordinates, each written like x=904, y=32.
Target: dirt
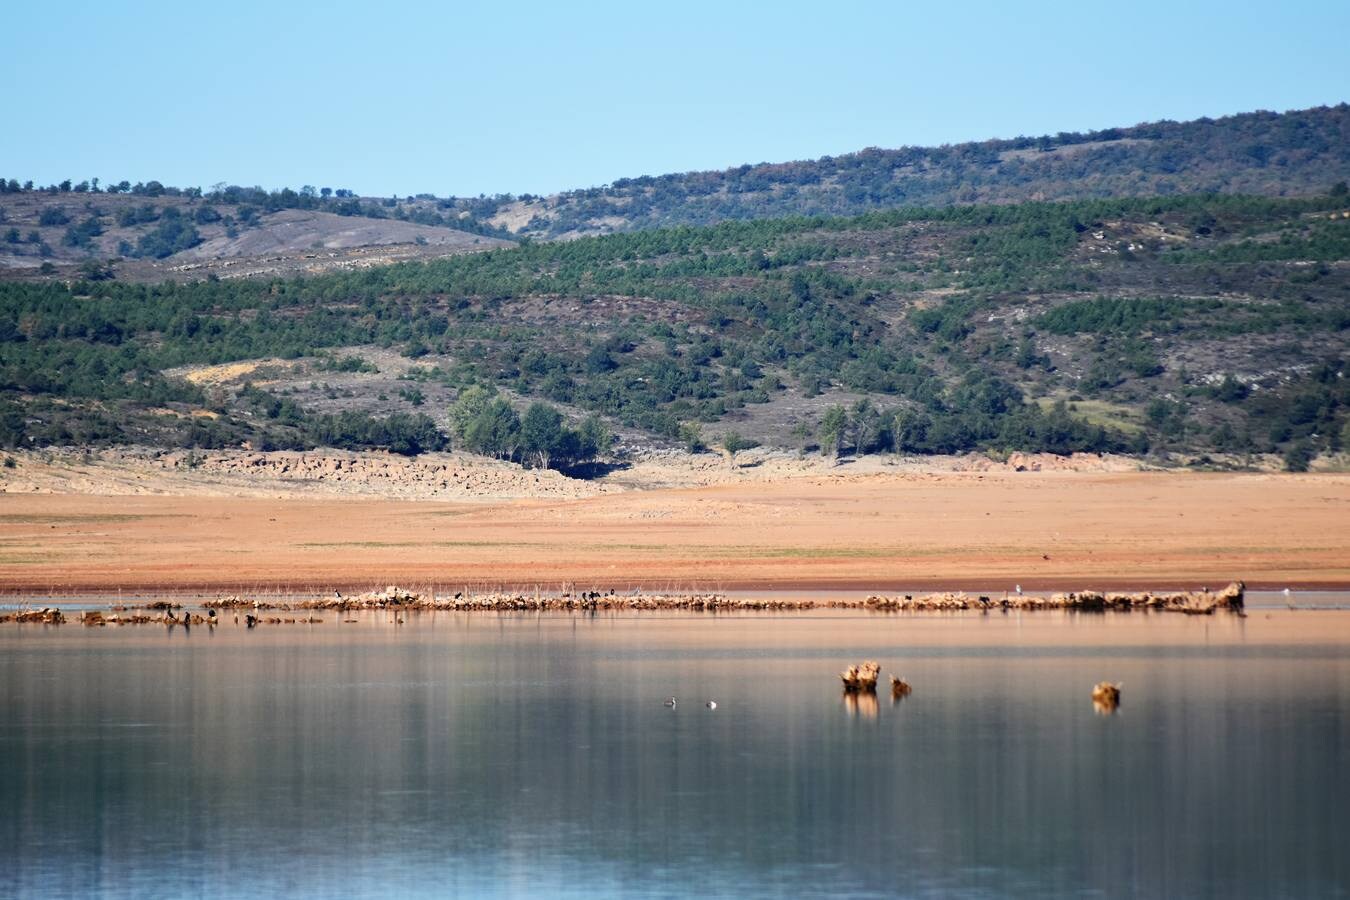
x=237, y=522
x=460, y=476
x=295, y=231
x=286, y=474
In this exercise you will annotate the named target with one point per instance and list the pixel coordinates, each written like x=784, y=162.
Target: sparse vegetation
x=349, y=364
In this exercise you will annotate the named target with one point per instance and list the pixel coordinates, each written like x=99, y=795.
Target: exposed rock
x=1203, y=602
x=48, y=615
x=393, y=597
x=861, y=677
x=1106, y=697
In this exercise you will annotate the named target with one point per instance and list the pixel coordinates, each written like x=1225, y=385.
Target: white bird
x=671, y=702
x=1288, y=597
x=712, y=704
x=1018, y=588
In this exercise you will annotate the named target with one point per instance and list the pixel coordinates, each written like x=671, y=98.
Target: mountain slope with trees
x=1264, y=153
x=1200, y=324
x=151, y=229
x=149, y=232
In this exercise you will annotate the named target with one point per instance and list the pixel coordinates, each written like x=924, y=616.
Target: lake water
x=502, y=755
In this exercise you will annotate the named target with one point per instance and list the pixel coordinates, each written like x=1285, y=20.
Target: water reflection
x=508, y=755
x=861, y=703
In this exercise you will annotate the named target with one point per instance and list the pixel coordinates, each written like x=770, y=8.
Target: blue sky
x=494, y=97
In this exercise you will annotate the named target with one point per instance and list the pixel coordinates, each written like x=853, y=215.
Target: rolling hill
x=159, y=234
x=152, y=232
x=1201, y=325
x=1162, y=289
x=1260, y=153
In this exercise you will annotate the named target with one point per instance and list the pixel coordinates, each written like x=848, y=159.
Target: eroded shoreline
x=401, y=601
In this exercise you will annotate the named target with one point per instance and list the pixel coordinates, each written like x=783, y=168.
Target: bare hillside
x=151, y=238
x=292, y=231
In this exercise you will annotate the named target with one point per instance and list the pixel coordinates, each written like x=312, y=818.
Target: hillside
x=159, y=234
x=150, y=232
x=1199, y=325
x=1272, y=154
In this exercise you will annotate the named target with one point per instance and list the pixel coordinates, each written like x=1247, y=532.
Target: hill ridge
x=1267, y=153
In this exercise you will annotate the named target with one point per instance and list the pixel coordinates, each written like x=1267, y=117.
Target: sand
x=874, y=531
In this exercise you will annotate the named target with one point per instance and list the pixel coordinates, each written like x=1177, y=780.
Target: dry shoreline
x=399, y=602
x=886, y=530
x=132, y=593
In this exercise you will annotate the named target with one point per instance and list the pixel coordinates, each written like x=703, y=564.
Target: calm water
x=532, y=755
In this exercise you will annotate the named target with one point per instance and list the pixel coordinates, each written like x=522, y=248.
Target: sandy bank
x=877, y=531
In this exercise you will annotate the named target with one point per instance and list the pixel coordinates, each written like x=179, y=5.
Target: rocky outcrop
x=1106, y=697
x=1202, y=602
x=393, y=597
x=253, y=473
x=386, y=474
x=861, y=677
x=397, y=598
x=48, y=615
